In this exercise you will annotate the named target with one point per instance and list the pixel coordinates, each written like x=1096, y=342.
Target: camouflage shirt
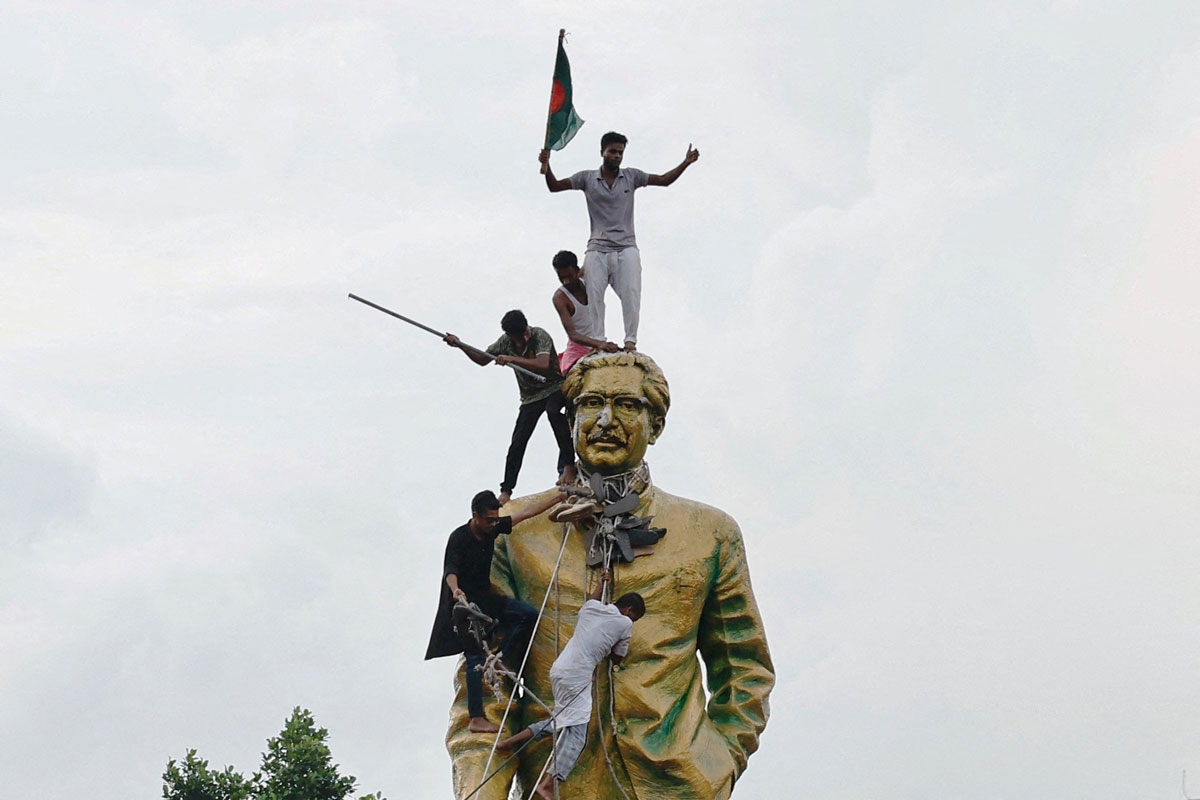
x=539, y=342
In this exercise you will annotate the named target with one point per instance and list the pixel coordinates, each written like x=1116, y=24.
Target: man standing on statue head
x=612, y=257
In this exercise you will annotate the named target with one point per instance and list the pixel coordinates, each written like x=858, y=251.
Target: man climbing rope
x=612, y=257
x=466, y=576
x=601, y=630
x=578, y=314
x=533, y=349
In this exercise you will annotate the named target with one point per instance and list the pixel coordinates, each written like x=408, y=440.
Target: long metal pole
x=442, y=335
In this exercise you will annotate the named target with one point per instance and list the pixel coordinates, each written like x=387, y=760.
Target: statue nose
x=605, y=418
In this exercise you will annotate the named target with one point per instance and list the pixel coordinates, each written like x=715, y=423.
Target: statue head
x=621, y=402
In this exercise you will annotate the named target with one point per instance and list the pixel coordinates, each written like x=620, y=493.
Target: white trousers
x=622, y=270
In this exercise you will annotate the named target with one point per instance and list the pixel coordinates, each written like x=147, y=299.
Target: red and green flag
x=563, y=122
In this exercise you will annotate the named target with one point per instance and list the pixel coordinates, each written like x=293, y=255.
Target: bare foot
x=504, y=497
x=482, y=725
x=546, y=790
x=630, y=347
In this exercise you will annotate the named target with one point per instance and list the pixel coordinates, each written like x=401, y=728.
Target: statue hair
x=654, y=383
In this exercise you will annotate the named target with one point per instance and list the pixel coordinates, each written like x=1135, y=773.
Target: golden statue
x=651, y=735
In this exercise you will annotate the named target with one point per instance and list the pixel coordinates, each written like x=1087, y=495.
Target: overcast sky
x=928, y=305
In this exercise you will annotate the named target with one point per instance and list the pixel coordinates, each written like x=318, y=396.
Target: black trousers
x=527, y=418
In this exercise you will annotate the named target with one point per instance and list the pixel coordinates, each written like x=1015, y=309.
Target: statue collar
x=612, y=488
x=607, y=509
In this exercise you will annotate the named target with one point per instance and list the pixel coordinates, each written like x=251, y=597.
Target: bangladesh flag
x=563, y=121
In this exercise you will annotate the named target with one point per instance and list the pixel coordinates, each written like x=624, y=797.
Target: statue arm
x=733, y=645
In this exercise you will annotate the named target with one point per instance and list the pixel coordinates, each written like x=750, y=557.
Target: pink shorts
x=568, y=357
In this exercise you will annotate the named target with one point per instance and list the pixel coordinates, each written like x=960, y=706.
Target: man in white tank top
x=612, y=257
x=585, y=331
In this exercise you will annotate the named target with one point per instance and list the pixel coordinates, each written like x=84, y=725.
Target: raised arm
x=564, y=315
x=598, y=592
x=552, y=183
x=533, y=509
x=479, y=358
x=667, y=178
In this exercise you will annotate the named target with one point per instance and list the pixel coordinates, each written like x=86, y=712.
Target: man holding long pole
x=532, y=349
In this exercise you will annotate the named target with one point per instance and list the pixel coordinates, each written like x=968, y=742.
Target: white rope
x=526, y=743
x=612, y=690
x=528, y=649
x=492, y=670
x=517, y=752
x=545, y=766
x=605, y=595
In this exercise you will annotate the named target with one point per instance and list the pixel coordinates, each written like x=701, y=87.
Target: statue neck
x=636, y=480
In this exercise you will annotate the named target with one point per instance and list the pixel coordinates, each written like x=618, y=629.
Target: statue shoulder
x=697, y=516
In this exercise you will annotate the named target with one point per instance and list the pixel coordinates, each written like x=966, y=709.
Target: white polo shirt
x=601, y=629
x=610, y=207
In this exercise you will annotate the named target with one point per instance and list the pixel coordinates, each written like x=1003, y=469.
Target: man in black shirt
x=467, y=575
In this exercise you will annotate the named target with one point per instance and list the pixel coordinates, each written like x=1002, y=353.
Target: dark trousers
x=516, y=624
x=527, y=419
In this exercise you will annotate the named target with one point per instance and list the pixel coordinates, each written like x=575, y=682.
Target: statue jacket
x=651, y=729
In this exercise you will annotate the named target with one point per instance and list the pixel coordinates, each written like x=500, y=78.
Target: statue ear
x=657, y=424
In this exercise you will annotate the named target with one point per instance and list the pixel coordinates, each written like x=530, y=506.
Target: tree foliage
x=193, y=780
x=297, y=765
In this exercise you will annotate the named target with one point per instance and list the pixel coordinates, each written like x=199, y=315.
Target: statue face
x=613, y=422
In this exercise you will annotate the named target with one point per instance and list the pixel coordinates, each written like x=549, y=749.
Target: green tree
x=296, y=766
x=299, y=766
x=193, y=780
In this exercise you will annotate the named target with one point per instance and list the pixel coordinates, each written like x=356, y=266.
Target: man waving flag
x=563, y=122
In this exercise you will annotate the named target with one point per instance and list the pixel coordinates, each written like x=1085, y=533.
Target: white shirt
x=610, y=207
x=584, y=316
x=601, y=629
